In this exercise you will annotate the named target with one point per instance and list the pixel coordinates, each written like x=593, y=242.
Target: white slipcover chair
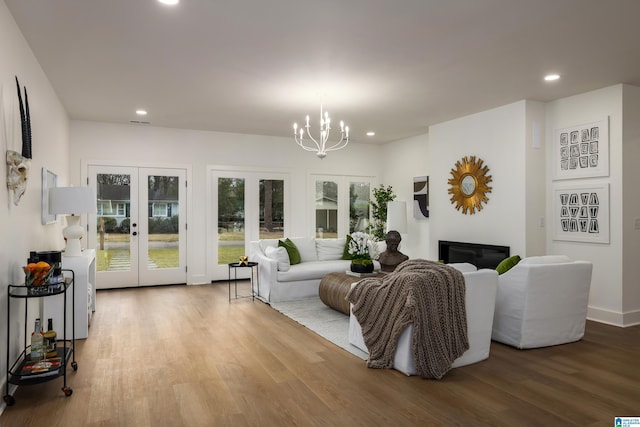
x=542, y=301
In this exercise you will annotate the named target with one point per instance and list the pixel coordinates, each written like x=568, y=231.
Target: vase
x=362, y=268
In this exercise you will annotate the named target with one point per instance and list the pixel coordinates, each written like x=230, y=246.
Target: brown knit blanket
x=428, y=294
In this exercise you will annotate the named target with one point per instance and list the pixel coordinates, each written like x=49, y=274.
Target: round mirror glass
x=468, y=185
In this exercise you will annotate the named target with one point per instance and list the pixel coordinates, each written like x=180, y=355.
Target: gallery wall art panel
x=581, y=213
x=421, y=197
x=581, y=151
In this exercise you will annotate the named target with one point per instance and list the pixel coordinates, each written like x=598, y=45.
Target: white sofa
x=280, y=281
x=542, y=301
x=480, y=297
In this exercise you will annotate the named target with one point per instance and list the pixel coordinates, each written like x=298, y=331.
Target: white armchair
x=480, y=291
x=542, y=301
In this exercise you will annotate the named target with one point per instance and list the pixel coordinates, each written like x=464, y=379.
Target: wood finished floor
x=184, y=356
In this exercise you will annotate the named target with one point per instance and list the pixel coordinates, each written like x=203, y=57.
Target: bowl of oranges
x=37, y=273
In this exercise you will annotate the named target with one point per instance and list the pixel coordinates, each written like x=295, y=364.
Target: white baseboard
x=615, y=318
x=197, y=279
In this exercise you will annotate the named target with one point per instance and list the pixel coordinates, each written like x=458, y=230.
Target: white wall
x=147, y=145
x=498, y=137
x=404, y=160
x=535, y=167
x=20, y=226
x=631, y=205
x=611, y=274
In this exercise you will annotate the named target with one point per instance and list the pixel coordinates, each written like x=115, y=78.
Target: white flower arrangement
x=361, y=245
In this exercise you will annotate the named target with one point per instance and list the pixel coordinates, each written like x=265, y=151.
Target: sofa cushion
x=545, y=259
x=292, y=251
x=266, y=243
x=307, y=248
x=313, y=270
x=507, y=263
x=330, y=249
x=463, y=267
x=279, y=254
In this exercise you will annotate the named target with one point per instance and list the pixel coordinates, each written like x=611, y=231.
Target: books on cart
x=41, y=368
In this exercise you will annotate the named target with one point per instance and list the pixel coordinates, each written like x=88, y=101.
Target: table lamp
x=72, y=201
x=397, y=217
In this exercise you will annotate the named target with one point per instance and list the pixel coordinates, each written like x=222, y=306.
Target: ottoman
x=333, y=289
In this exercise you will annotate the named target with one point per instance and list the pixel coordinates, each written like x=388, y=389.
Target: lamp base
x=72, y=234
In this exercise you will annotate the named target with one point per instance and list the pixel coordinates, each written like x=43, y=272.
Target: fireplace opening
x=480, y=255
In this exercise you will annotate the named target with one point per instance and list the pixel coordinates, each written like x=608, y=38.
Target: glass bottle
x=50, y=341
x=37, y=342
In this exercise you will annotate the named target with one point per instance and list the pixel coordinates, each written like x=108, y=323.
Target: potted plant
x=382, y=196
x=361, y=257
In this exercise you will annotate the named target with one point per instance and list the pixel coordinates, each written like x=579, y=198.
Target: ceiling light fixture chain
x=320, y=147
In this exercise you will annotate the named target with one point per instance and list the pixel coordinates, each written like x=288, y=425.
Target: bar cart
x=21, y=372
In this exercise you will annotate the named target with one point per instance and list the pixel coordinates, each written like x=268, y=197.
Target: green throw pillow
x=292, y=251
x=345, y=253
x=506, y=264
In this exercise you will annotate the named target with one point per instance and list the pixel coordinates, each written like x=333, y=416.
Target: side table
x=253, y=267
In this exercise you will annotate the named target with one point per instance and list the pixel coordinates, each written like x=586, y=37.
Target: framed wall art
x=49, y=180
x=421, y=197
x=581, y=213
x=581, y=151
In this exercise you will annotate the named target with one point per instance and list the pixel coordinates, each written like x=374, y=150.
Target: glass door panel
x=326, y=209
x=359, y=206
x=111, y=234
x=231, y=214
x=271, y=208
x=162, y=228
x=162, y=221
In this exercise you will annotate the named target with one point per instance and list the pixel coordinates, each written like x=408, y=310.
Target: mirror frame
x=468, y=203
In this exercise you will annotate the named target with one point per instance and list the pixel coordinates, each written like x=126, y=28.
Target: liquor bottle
x=50, y=342
x=37, y=342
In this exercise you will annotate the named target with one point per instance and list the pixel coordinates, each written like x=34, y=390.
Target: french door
x=340, y=205
x=245, y=206
x=139, y=231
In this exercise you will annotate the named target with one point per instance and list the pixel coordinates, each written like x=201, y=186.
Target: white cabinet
x=84, y=268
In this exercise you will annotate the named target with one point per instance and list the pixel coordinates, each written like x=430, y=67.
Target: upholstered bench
x=334, y=288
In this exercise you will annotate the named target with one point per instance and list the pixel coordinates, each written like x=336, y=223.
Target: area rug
x=321, y=319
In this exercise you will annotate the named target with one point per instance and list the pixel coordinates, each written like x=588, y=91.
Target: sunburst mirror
x=469, y=187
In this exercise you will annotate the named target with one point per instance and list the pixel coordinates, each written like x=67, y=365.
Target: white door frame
x=91, y=226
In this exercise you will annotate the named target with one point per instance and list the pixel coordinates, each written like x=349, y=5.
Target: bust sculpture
x=390, y=258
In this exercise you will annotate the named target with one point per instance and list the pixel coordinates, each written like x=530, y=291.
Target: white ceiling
x=256, y=66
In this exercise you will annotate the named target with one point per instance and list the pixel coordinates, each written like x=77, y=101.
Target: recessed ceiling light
x=371, y=133
x=141, y=112
x=551, y=77
x=169, y=2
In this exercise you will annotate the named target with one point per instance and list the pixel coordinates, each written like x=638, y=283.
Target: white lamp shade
x=72, y=200
x=397, y=216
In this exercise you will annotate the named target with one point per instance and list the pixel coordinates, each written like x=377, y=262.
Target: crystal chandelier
x=320, y=145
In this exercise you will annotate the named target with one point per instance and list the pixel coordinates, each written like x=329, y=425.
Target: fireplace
x=482, y=256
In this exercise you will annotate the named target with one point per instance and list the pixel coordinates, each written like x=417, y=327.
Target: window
x=340, y=205
x=160, y=210
x=271, y=208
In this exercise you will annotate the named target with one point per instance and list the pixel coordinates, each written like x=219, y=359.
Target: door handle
x=134, y=224
x=135, y=233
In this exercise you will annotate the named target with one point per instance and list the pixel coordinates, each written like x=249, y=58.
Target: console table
x=84, y=268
